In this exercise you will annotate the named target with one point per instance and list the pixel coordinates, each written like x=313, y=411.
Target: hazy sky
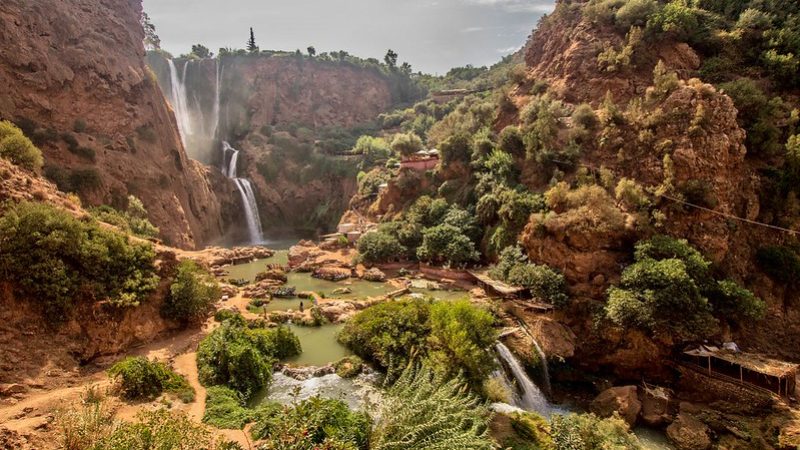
x=432, y=35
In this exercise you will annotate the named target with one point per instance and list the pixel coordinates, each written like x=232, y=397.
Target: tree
x=447, y=243
x=312, y=52
x=378, y=247
x=251, y=43
x=151, y=39
x=407, y=144
x=390, y=59
x=201, y=51
x=192, y=294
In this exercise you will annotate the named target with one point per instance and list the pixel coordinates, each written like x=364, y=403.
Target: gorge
x=591, y=244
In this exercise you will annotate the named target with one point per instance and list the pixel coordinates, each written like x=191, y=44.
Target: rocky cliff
x=280, y=110
x=75, y=80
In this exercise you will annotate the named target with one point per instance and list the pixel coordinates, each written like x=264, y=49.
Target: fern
x=422, y=411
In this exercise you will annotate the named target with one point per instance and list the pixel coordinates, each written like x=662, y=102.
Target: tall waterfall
x=180, y=103
x=231, y=155
x=529, y=396
x=191, y=103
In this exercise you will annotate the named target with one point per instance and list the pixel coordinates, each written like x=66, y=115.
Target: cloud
x=473, y=29
x=533, y=6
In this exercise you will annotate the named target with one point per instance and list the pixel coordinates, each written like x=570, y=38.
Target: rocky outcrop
x=688, y=433
x=622, y=400
x=74, y=78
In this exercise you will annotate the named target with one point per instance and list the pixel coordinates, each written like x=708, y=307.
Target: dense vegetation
x=61, y=261
x=670, y=289
x=422, y=411
x=315, y=423
x=452, y=336
x=133, y=219
x=17, y=148
x=241, y=358
x=589, y=432
x=192, y=294
x=544, y=283
x=140, y=378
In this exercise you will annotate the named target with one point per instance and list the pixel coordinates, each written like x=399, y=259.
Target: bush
x=226, y=409
x=139, y=378
x=780, y=263
x=315, y=423
x=585, y=116
x=669, y=289
x=161, y=429
x=453, y=336
x=510, y=141
x=406, y=144
x=134, y=219
x=369, y=182
x=589, y=432
x=379, y=247
x=18, y=149
x=240, y=358
x=533, y=428
x=448, y=244
x=191, y=295
x=59, y=260
x=544, y=283
x=422, y=411
x=635, y=13
x=349, y=366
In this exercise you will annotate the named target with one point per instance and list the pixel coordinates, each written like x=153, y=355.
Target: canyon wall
x=74, y=78
x=276, y=109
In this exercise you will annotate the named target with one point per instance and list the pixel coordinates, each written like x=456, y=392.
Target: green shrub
x=59, y=260
x=378, y=247
x=422, y=411
x=161, y=429
x=240, y=358
x=226, y=409
x=544, y=283
x=585, y=116
x=84, y=180
x=349, y=366
x=781, y=263
x=18, y=149
x=134, y=219
x=406, y=144
x=192, y=294
x=79, y=126
x=453, y=336
x=369, y=182
x=669, y=289
x=315, y=423
x=139, y=378
x=447, y=244
x=589, y=432
x=533, y=428
x=635, y=13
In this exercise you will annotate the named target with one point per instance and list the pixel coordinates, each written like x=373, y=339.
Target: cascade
x=545, y=368
x=530, y=397
x=245, y=188
x=180, y=104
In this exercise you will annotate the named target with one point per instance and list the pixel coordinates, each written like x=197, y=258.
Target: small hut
x=753, y=369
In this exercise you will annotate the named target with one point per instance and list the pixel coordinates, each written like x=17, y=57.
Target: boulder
x=332, y=273
x=374, y=274
x=655, y=406
x=8, y=390
x=623, y=400
x=688, y=433
x=302, y=252
x=342, y=291
x=273, y=272
x=554, y=338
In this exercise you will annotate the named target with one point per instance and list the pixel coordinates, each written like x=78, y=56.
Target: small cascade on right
x=530, y=397
x=230, y=158
x=545, y=369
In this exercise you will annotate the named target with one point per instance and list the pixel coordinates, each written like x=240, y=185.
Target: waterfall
x=215, y=111
x=180, y=104
x=245, y=191
x=530, y=397
x=545, y=368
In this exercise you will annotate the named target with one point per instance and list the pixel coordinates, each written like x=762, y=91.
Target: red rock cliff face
x=74, y=71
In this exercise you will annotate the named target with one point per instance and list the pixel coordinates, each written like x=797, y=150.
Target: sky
x=432, y=35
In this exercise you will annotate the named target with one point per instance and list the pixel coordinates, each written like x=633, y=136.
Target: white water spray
x=180, y=104
x=245, y=188
x=529, y=396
